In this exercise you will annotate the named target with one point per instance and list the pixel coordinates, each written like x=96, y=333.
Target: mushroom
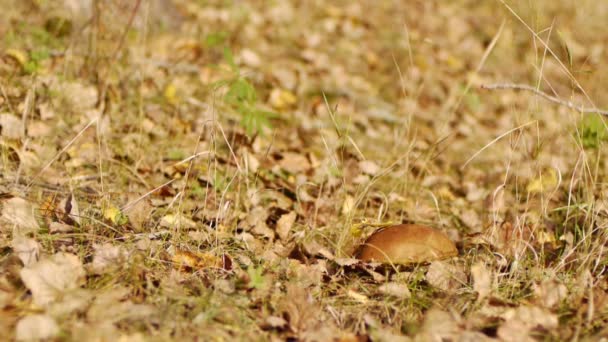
x=407, y=244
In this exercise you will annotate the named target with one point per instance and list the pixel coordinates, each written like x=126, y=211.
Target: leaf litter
x=182, y=170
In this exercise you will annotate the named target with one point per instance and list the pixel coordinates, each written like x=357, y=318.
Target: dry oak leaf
x=51, y=278
x=407, y=243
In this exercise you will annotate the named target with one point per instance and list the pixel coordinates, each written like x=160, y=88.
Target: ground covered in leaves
x=180, y=170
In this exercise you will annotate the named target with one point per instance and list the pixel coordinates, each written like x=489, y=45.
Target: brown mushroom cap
x=407, y=243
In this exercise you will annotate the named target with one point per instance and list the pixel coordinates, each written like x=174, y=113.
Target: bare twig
x=569, y=104
x=123, y=38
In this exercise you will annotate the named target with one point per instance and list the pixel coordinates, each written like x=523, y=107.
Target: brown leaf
x=28, y=250
x=445, y=276
x=20, y=213
x=284, y=225
x=482, y=280
x=36, y=327
x=398, y=290
x=107, y=258
x=294, y=163
x=52, y=277
x=11, y=126
x=550, y=292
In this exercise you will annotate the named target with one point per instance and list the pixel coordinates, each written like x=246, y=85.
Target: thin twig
x=569, y=104
x=123, y=37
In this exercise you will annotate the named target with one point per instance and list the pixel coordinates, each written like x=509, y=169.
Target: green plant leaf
x=593, y=130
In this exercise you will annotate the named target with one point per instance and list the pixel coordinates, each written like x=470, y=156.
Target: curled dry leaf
x=51, y=278
x=407, y=243
x=19, y=212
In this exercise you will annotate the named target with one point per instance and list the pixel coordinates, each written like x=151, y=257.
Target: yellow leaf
x=547, y=180
x=282, y=98
x=19, y=55
x=170, y=94
x=195, y=260
x=348, y=206
x=361, y=298
x=114, y=215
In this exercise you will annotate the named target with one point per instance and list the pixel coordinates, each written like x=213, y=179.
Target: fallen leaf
x=445, y=276
x=482, y=280
x=274, y=322
x=395, y=289
x=20, y=213
x=107, y=258
x=294, y=163
x=369, y=167
x=282, y=99
x=550, y=293
x=348, y=206
x=361, y=298
x=250, y=58
x=78, y=96
x=284, y=225
x=58, y=227
x=520, y=321
x=177, y=221
x=36, y=327
x=546, y=180
x=28, y=250
x=113, y=306
x=51, y=278
x=114, y=215
x=11, y=126
x=18, y=55
x=197, y=260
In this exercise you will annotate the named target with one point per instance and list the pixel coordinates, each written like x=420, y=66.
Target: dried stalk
x=525, y=87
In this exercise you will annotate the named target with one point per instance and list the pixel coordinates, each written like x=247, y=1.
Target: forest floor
x=205, y=170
